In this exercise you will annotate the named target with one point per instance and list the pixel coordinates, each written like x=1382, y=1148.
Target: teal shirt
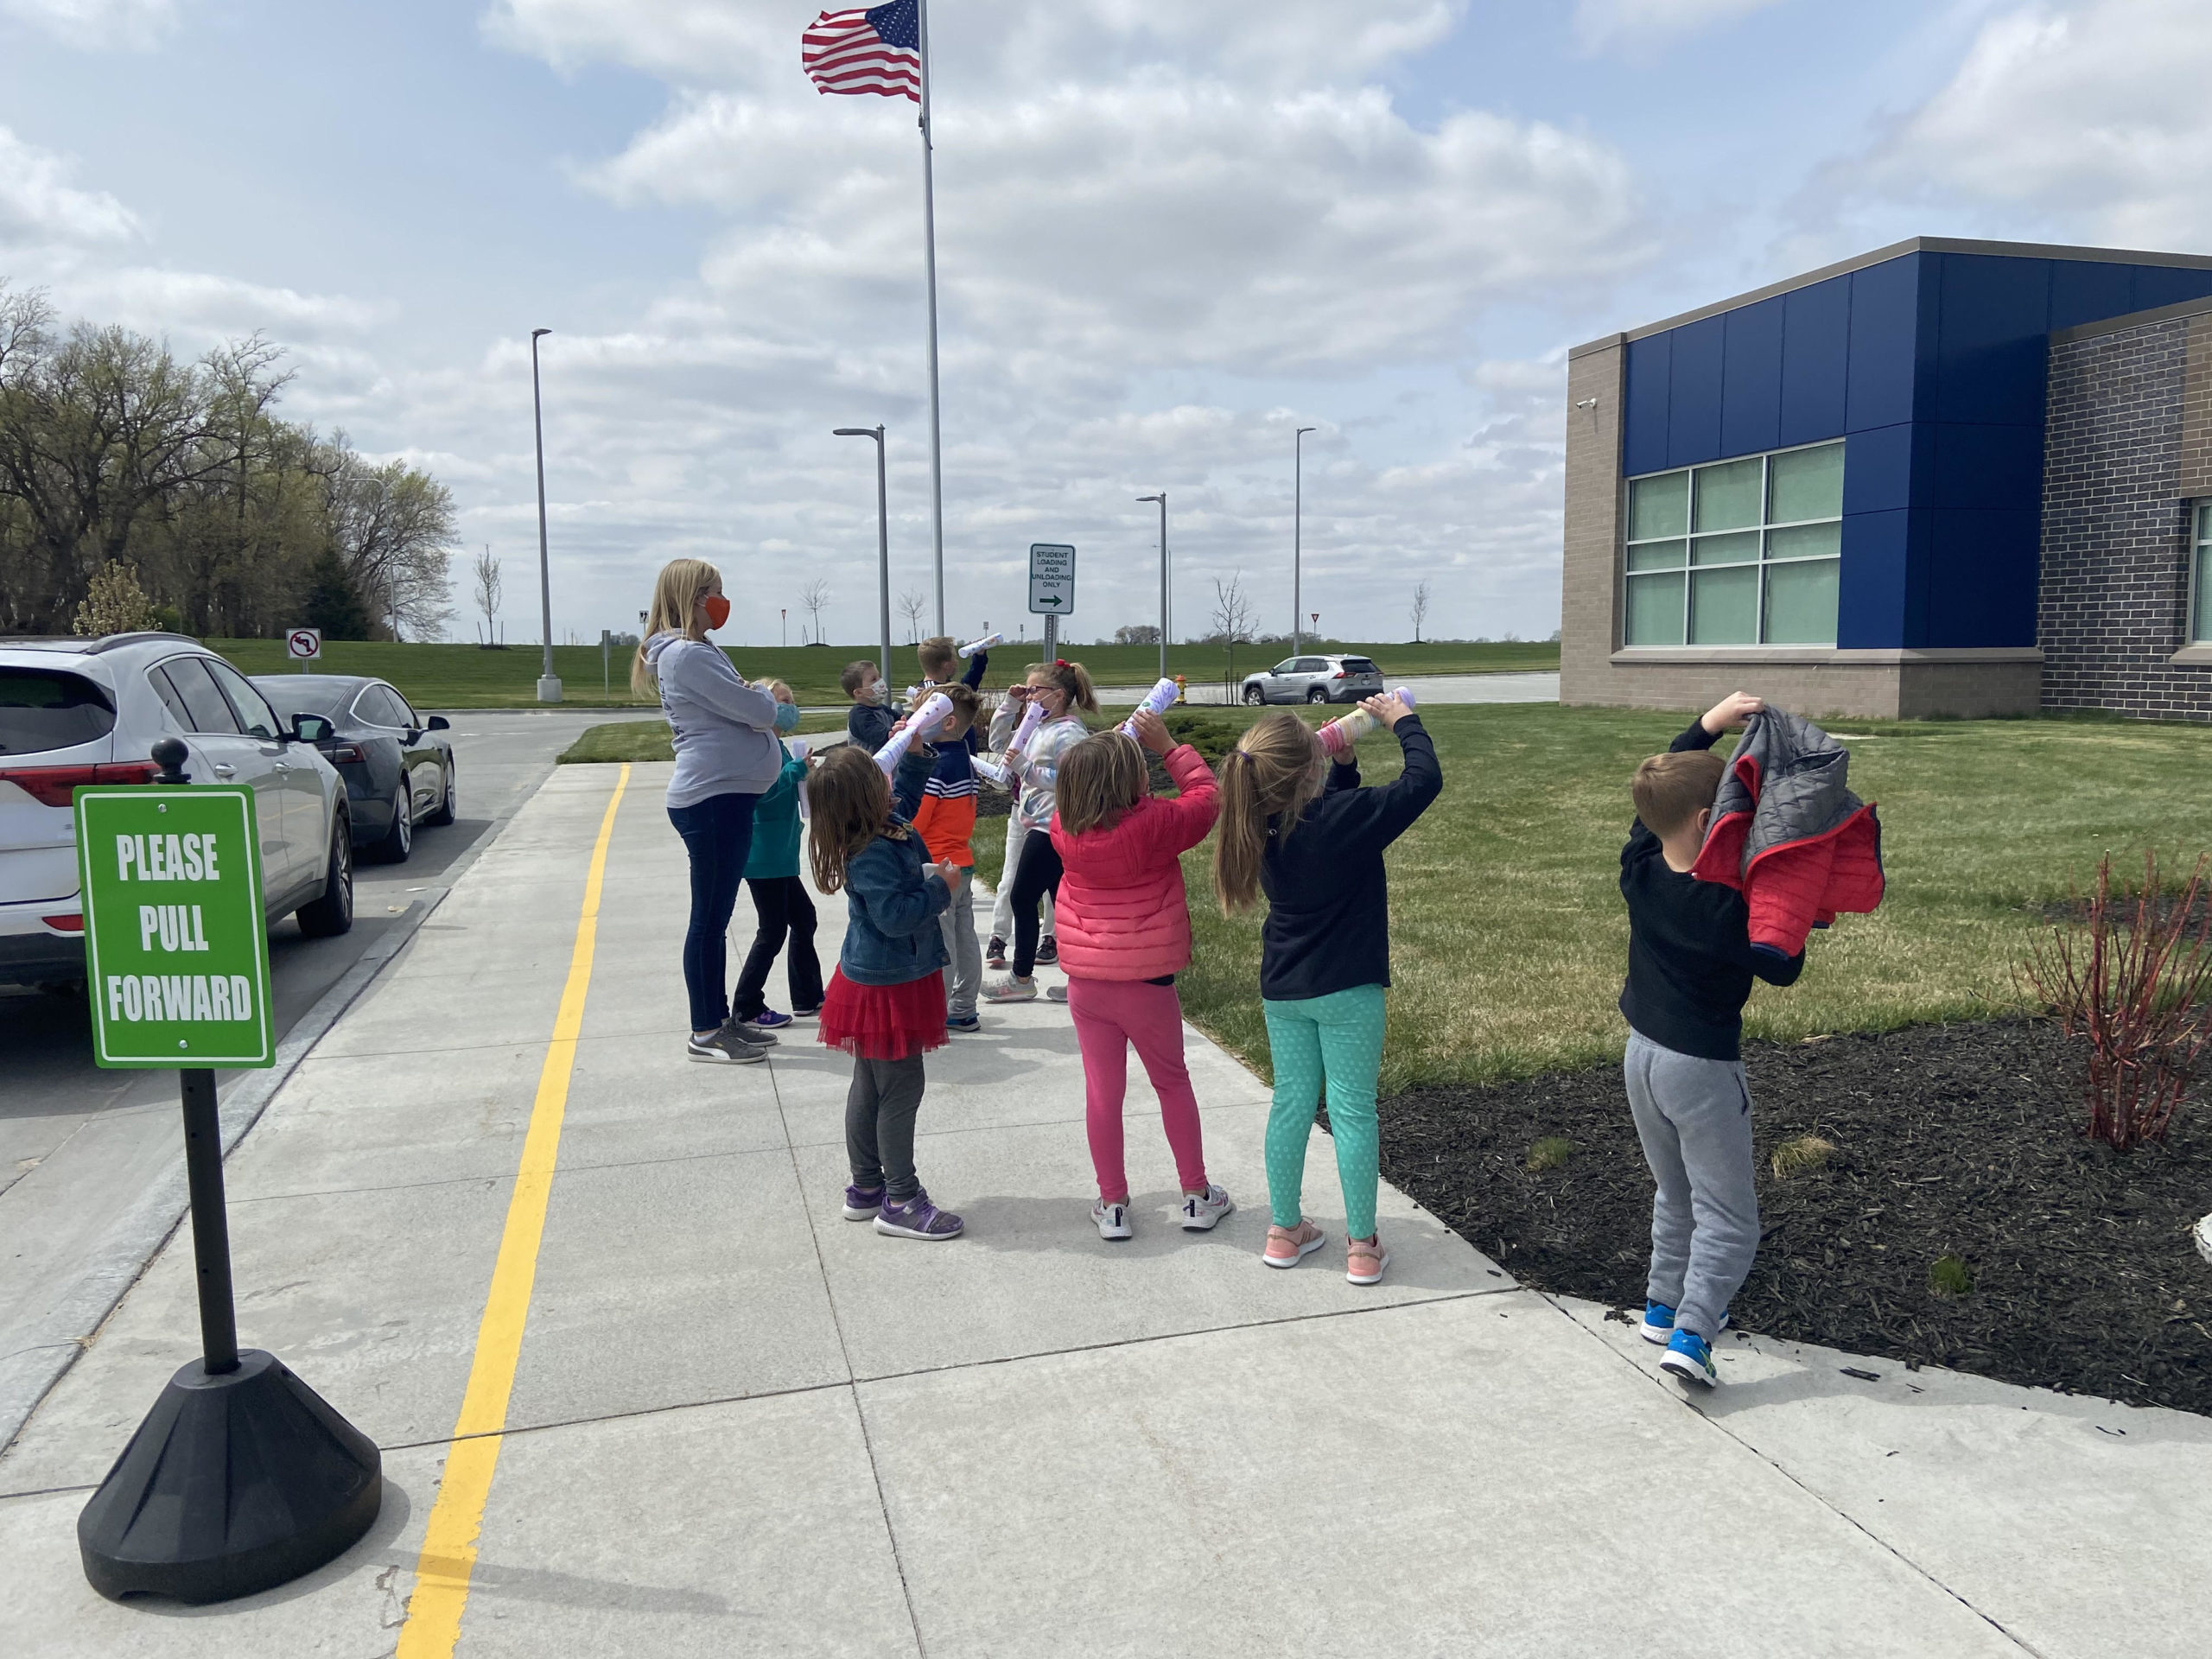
x=776, y=826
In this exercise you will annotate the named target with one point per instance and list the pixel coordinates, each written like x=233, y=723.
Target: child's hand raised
x=1730, y=711
x=1151, y=731
x=1387, y=709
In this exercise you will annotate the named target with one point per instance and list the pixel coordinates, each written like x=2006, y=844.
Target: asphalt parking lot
x=80, y=1146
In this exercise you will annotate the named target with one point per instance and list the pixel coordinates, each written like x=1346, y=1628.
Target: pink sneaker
x=1287, y=1247
x=1364, y=1259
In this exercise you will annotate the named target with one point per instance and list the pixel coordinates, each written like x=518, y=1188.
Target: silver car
x=90, y=711
x=1315, y=680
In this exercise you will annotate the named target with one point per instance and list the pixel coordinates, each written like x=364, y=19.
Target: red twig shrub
x=2132, y=981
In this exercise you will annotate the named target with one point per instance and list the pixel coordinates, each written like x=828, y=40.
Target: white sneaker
x=1202, y=1211
x=1010, y=989
x=1056, y=992
x=1112, y=1220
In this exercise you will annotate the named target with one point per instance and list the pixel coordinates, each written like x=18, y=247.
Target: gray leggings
x=880, y=1111
x=1695, y=1119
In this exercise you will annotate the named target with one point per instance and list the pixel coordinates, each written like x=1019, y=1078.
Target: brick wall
x=2114, y=590
x=1589, y=581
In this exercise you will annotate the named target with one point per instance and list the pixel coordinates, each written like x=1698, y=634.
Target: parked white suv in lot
x=1315, y=680
x=90, y=711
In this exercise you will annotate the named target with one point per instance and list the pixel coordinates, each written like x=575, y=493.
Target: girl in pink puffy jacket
x=1125, y=933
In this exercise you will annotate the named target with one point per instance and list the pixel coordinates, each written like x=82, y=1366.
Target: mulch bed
x=1950, y=1140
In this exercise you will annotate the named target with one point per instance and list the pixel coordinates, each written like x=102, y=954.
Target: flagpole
x=929, y=245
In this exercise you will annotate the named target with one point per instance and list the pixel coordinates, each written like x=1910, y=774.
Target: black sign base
x=236, y=1482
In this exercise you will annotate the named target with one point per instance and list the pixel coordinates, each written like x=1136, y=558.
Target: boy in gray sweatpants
x=1690, y=967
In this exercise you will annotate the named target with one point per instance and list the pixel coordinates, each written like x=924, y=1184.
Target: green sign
x=176, y=950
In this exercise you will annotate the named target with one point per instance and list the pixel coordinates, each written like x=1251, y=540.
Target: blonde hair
x=1274, y=770
x=1101, y=779
x=965, y=701
x=1671, y=790
x=777, y=689
x=676, y=593
x=1072, y=679
x=849, y=801
x=935, y=655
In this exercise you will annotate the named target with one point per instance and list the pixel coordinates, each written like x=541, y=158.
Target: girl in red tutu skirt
x=885, y=1005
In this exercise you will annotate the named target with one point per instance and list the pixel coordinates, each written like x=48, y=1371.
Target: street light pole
x=1162, y=498
x=882, y=536
x=1297, y=528
x=549, y=687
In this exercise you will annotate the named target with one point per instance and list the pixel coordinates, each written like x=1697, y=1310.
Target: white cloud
x=2090, y=117
x=135, y=24
x=1602, y=24
x=38, y=203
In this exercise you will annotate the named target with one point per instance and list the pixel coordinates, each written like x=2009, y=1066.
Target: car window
x=1360, y=665
x=204, y=710
x=379, y=707
x=300, y=694
x=402, y=713
x=1286, y=666
x=256, y=717
x=167, y=693
x=1311, y=666
x=41, y=709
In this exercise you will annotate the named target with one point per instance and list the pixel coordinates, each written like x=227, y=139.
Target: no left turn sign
x=303, y=644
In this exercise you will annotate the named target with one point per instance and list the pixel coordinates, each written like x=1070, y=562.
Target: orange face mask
x=717, y=610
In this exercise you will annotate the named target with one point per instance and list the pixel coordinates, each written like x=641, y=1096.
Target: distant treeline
x=237, y=524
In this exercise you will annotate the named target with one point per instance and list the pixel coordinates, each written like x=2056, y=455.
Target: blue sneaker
x=963, y=1023
x=1659, y=1322
x=769, y=1019
x=1689, y=1358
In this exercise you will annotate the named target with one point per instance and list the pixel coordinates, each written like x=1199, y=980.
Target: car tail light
x=343, y=754
x=51, y=785
x=65, y=923
x=1341, y=674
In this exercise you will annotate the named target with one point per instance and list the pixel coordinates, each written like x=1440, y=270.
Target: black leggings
x=782, y=904
x=1037, y=874
x=718, y=833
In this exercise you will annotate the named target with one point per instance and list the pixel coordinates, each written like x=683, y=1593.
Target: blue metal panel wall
x=1815, y=361
x=1750, y=380
x=1693, y=392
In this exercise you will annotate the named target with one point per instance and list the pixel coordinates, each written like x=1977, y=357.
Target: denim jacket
x=892, y=898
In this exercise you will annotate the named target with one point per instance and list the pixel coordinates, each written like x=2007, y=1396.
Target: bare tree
x=911, y=604
x=1137, y=633
x=487, y=591
x=1232, y=617
x=390, y=526
x=1419, y=611
x=811, y=599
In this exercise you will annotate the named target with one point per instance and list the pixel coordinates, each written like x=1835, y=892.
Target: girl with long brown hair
x=1303, y=831
x=884, y=1005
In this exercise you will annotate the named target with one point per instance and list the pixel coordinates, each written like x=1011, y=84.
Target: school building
x=1942, y=477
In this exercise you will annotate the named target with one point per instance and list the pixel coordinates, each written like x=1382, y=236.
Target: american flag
x=878, y=50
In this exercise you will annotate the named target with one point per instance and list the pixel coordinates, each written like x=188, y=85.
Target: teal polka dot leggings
x=1339, y=1038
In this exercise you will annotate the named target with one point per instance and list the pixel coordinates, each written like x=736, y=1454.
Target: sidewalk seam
x=850, y=1385
x=1849, y=1520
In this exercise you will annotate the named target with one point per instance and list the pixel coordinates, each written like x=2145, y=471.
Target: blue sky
x=1171, y=231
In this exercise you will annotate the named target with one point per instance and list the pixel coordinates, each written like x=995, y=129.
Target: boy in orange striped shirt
x=945, y=820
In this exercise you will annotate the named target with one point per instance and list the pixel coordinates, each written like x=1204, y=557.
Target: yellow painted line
x=448, y=1557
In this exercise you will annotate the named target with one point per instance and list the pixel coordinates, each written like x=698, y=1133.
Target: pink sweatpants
x=1109, y=1016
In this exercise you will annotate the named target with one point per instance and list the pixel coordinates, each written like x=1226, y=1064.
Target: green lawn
x=648, y=740
x=1508, y=938
x=468, y=677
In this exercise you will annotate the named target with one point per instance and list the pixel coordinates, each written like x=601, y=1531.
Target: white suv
x=1315, y=680
x=90, y=711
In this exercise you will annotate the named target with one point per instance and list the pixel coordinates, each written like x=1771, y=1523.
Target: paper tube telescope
x=1339, y=736
x=991, y=770
x=923, y=719
x=1156, y=701
x=1030, y=717
x=983, y=644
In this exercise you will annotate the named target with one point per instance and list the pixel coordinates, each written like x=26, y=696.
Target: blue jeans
x=718, y=834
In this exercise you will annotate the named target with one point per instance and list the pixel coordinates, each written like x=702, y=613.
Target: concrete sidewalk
x=742, y=1424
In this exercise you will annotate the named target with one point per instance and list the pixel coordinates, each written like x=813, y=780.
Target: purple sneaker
x=917, y=1218
x=862, y=1202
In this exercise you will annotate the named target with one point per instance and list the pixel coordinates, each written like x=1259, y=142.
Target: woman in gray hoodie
x=727, y=756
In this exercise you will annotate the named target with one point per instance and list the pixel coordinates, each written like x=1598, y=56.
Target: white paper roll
x=1158, y=701
x=927, y=716
x=983, y=644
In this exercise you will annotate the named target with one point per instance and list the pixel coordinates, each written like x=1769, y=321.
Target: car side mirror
x=439, y=723
x=310, y=728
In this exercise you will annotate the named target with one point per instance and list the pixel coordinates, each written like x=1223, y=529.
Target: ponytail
x=1274, y=772
x=1074, y=680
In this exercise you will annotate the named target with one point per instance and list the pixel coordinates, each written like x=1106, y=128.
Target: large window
x=2200, y=583
x=1741, y=553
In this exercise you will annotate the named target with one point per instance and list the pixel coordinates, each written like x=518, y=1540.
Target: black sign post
x=241, y=1476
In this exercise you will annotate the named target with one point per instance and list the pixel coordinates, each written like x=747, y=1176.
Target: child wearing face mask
x=727, y=757
x=869, y=723
x=779, y=898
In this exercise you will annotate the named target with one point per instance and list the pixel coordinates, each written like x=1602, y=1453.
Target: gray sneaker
x=746, y=1032
x=725, y=1047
